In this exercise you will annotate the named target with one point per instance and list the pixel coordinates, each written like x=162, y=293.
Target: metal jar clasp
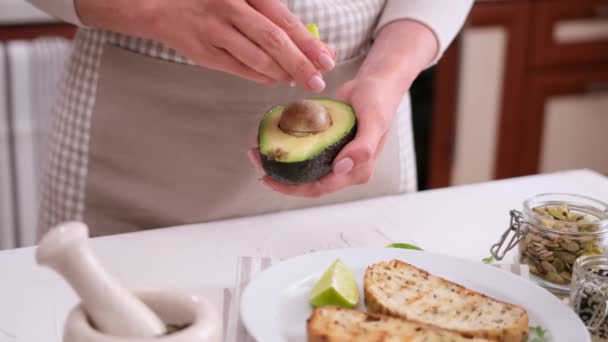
x=515, y=233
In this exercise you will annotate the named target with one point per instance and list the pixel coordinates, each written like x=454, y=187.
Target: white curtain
x=30, y=76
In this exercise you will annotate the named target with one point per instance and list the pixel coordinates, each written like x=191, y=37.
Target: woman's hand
x=375, y=95
x=259, y=40
x=375, y=103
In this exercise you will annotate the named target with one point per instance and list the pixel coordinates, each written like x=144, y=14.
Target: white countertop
x=21, y=12
x=461, y=221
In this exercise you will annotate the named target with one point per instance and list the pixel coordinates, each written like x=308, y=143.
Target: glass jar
x=552, y=231
x=589, y=294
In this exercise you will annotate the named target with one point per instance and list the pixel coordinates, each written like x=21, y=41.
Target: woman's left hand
x=375, y=103
x=375, y=94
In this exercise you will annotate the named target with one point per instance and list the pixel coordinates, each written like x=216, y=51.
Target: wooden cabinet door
x=567, y=32
x=565, y=121
x=479, y=90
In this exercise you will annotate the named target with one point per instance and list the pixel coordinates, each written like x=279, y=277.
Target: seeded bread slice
x=333, y=324
x=398, y=289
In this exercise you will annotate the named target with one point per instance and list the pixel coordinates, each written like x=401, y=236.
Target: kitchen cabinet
x=34, y=30
x=565, y=121
x=19, y=20
x=523, y=90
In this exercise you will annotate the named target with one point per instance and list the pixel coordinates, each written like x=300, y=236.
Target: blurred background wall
x=34, y=49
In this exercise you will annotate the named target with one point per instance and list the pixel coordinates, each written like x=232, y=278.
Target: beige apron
x=169, y=141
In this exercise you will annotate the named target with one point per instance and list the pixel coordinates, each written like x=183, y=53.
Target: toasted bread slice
x=398, y=289
x=333, y=324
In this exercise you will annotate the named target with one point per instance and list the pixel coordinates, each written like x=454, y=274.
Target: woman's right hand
x=259, y=40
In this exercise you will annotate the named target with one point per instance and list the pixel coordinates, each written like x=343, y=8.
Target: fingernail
x=326, y=61
x=252, y=159
x=333, y=52
x=344, y=166
x=316, y=83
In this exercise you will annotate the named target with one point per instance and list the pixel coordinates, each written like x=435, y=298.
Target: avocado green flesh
x=279, y=146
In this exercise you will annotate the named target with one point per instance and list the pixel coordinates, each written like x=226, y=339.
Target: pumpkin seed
x=551, y=244
x=567, y=276
x=539, y=253
x=548, y=267
x=589, y=219
x=537, y=244
x=558, y=212
x=587, y=245
x=555, y=278
x=570, y=246
x=540, y=211
x=547, y=223
x=574, y=217
x=534, y=270
x=566, y=257
x=559, y=265
x=593, y=251
x=588, y=227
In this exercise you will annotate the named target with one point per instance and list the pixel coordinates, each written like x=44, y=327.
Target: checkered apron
x=346, y=25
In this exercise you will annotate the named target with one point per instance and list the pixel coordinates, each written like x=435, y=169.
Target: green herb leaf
x=537, y=334
x=488, y=260
x=404, y=246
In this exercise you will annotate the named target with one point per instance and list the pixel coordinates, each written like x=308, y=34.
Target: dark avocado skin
x=308, y=170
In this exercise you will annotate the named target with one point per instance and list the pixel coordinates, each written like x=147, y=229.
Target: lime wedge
x=337, y=286
x=312, y=28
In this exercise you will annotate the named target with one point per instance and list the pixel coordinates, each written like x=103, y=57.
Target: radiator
x=30, y=76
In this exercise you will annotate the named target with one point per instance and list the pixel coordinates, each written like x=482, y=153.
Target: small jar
x=589, y=294
x=552, y=231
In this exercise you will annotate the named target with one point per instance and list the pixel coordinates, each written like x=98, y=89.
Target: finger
x=371, y=127
x=345, y=91
x=279, y=46
x=254, y=158
x=323, y=186
x=333, y=52
x=251, y=55
x=320, y=54
x=223, y=61
x=326, y=185
x=301, y=190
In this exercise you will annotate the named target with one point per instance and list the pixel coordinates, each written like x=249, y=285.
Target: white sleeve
x=61, y=9
x=444, y=18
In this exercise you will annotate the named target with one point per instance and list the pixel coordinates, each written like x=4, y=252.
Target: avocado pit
x=304, y=118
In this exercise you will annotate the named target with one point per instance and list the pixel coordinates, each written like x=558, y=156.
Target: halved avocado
x=299, y=142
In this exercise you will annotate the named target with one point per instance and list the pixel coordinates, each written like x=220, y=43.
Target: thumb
x=360, y=150
x=345, y=91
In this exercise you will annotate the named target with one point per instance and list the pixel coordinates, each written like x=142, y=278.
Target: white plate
x=274, y=306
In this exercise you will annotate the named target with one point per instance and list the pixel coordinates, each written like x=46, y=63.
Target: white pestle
x=112, y=309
